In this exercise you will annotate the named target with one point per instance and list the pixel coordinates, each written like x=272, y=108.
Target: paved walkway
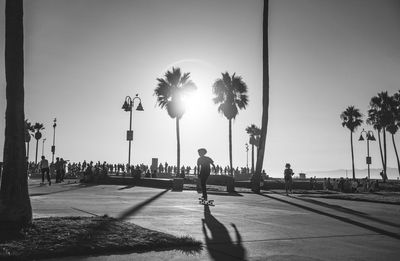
x=242, y=226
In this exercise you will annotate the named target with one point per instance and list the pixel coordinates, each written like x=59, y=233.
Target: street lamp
x=127, y=106
x=53, y=148
x=43, y=147
x=370, y=137
x=247, y=157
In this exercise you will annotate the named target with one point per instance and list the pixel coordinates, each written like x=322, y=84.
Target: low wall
x=144, y=182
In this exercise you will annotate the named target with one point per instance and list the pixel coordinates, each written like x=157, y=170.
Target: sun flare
x=195, y=104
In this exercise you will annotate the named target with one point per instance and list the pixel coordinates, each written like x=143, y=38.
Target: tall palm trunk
x=252, y=158
x=37, y=146
x=380, y=148
x=352, y=155
x=15, y=205
x=178, y=149
x=230, y=147
x=384, y=152
x=27, y=152
x=264, y=120
x=397, y=155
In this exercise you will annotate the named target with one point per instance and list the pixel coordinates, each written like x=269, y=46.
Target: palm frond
x=38, y=126
x=184, y=78
x=173, y=77
x=219, y=87
x=188, y=86
x=227, y=80
x=242, y=101
x=238, y=85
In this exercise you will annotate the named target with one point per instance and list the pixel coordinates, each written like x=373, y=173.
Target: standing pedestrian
x=288, y=173
x=203, y=166
x=44, y=168
x=58, y=166
x=63, y=166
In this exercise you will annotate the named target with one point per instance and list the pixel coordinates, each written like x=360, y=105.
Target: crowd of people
x=351, y=185
x=336, y=184
x=61, y=169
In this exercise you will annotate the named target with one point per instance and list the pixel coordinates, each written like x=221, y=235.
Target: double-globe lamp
x=127, y=106
x=369, y=135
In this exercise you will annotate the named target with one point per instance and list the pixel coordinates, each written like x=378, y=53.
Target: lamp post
x=369, y=135
x=127, y=106
x=43, y=147
x=53, y=148
x=247, y=157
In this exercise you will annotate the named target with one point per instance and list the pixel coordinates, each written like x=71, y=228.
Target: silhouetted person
x=203, y=166
x=58, y=166
x=288, y=173
x=44, y=168
x=63, y=163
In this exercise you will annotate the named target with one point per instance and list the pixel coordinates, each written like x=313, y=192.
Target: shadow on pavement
x=349, y=211
x=232, y=194
x=80, y=186
x=219, y=244
x=127, y=187
x=131, y=211
x=343, y=219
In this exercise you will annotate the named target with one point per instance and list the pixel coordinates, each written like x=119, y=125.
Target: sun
x=195, y=104
x=198, y=104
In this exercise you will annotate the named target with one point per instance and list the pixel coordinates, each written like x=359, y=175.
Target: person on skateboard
x=203, y=166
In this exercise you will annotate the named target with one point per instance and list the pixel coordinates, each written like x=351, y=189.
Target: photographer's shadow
x=219, y=243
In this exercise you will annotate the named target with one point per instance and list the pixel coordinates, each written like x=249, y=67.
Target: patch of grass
x=73, y=236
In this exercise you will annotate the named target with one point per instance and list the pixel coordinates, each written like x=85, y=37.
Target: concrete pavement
x=242, y=226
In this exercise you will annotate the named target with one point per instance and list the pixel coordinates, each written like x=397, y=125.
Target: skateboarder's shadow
x=219, y=243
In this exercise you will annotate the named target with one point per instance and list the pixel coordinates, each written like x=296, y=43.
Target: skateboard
x=209, y=202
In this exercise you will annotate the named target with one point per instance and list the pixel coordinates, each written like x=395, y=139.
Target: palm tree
x=392, y=129
x=15, y=205
x=254, y=133
x=379, y=115
x=38, y=135
x=170, y=91
x=231, y=95
x=264, y=120
x=351, y=118
x=28, y=129
x=394, y=125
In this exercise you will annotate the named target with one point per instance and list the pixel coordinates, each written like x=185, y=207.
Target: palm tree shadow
x=219, y=243
x=131, y=211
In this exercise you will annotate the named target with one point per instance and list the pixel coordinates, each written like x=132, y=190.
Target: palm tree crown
x=28, y=129
x=351, y=118
x=380, y=110
x=254, y=133
x=231, y=95
x=171, y=89
x=38, y=127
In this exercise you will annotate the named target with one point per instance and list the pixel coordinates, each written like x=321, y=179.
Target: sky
x=82, y=58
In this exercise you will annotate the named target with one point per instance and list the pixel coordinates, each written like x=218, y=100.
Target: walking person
x=44, y=168
x=203, y=167
x=288, y=173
